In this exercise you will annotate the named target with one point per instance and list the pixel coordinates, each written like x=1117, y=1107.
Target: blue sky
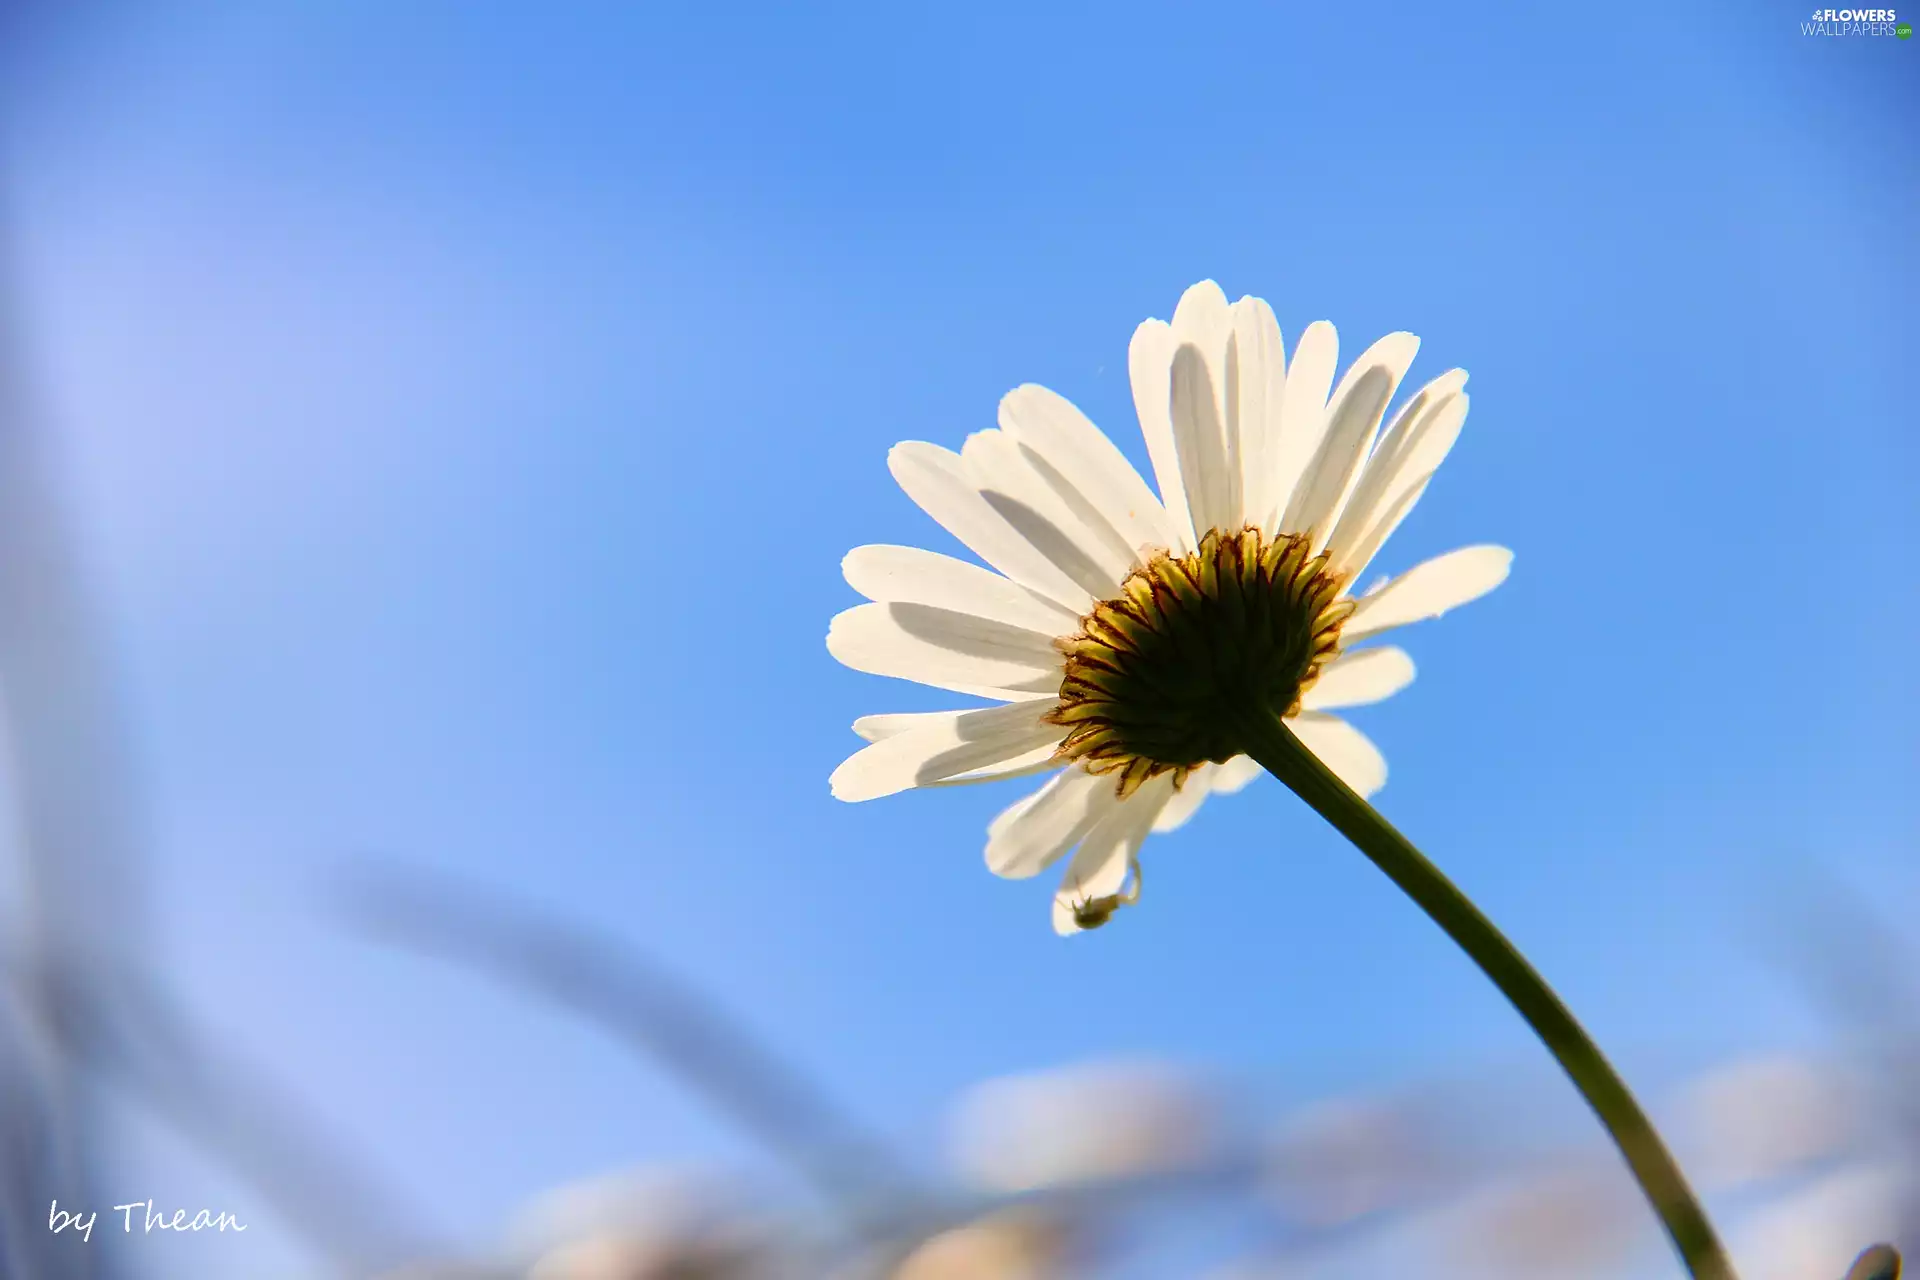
x=466, y=410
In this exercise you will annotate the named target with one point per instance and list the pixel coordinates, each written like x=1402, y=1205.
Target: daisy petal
x=1408, y=455
x=1030, y=835
x=1200, y=440
x=1203, y=318
x=909, y=575
x=1041, y=759
x=945, y=747
x=942, y=648
x=1186, y=802
x=1353, y=421
x=1235, y=774
x=1150, y=369
x=1052, y=427
x=1343, y=749
x=1361, y=555
x=1339, y=457
x=1011, y=486
x=1429, y=590
x=1259, y=381
x=1100, y=866
x=874, y=728
x=1393, y=354
x=1293, y=442
x=937, y=481
x=1119, y=553
x=1355, y=679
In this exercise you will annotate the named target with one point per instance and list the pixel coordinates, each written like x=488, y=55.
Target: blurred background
x=430, y=437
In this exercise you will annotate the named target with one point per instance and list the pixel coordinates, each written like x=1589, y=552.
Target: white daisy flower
x=1115, y=625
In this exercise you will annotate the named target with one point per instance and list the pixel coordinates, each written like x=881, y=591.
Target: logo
x=1855, y=22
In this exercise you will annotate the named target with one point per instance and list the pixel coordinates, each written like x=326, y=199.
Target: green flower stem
x=1269, y=741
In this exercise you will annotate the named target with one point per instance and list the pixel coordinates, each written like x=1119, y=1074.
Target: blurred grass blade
x=672, y=1023
x=80, y=948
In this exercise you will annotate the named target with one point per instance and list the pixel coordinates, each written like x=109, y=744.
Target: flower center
x=1156, y=675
